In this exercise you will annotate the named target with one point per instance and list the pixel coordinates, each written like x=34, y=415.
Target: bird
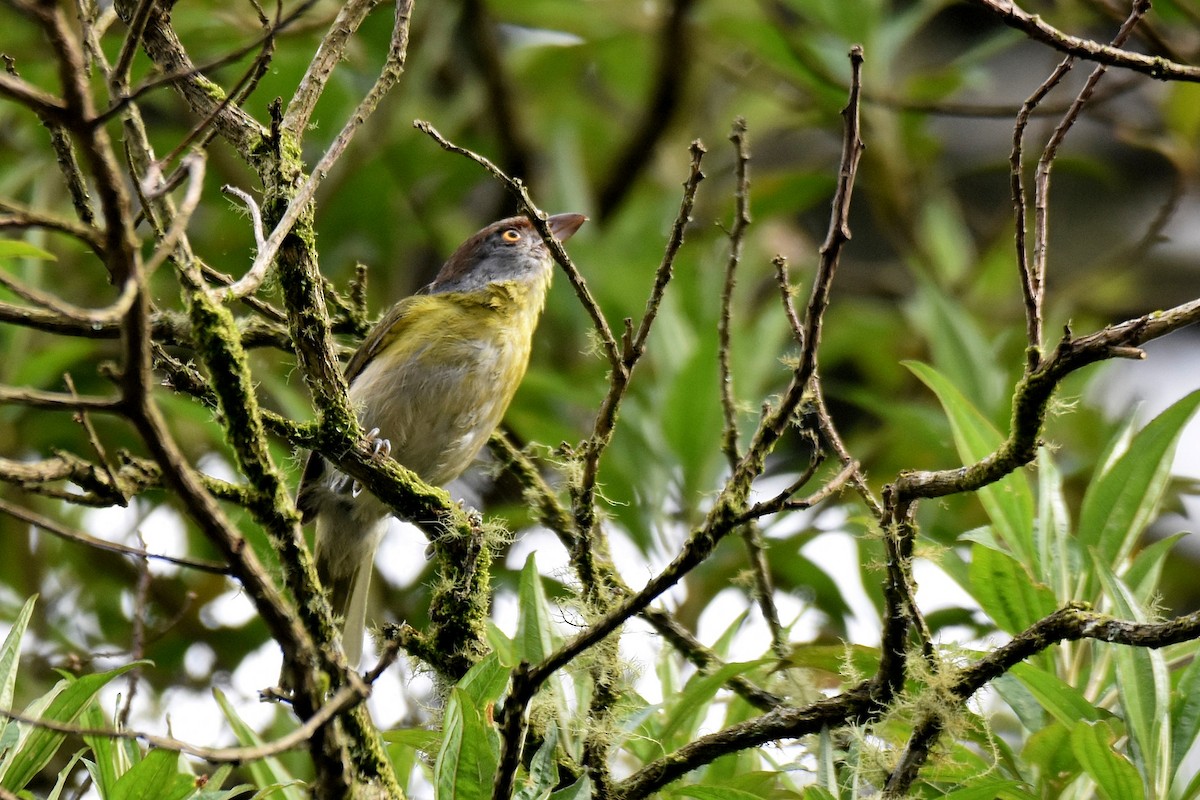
x=430, y=383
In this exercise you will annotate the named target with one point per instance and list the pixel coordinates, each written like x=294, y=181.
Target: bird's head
x=508, y=250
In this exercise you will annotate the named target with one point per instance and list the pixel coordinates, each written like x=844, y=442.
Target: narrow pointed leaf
x=1114, y=774
x=268, y=771
x=1009, y=501
x=36, y=749
x=466, y=765
x=1122, y=501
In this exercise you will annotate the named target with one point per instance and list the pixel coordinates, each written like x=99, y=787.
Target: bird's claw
x=380, y=447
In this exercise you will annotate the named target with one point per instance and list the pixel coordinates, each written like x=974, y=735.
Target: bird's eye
x=511, y=235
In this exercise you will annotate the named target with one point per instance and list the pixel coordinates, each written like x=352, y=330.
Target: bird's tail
x=345, y=554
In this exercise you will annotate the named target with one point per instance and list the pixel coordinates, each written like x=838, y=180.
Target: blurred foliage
x=929, y=277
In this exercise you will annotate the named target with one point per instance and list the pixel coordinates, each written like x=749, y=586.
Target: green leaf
x=1009, y=501
x=1055, y=550
x=817, y=793
x=959, y=349
x=39, y=745
x=503, y=646
x=685, y=712
x=834, y=658
x=689, y=420
x=1006, y=591
x=1050, y=749
x=485, y=681
x=543, y=770
x=988, y=789
x=1143, y=685
x=63, y=775
x=158, y=776
x=10, y=653
x=1114, y=774
x=470, y=754
x=13, y=248
x=827, y=757
x=536, y=637
x=10, y=658
x=1064, y=702
x=1144, y=573
x=1185, y=713
x=1121, y=501
x=265, y=772
x=108, y=758
x=579, y=790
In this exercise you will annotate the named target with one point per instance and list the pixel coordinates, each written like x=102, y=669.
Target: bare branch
x=1031, y=289
x=555, y=516
x=42, y=103
x=194, y=166
x=1034, y=275
x=342, y=700
x=633, y=350
x=737, y=233
x=538, y=218
x=19, y=217
x=63, y=532
x=1039, y=30
x=393, y=67
x=329, y=53
x=36, y=398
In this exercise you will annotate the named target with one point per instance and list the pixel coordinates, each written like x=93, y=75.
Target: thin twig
x=633, y=350
x=1036, y=28
x=342, y=700
x=18, y=216
x=36, y=398
x=752, y=537
x=83, y=419
x=737, y=233
x=555, y=516
x=1046, y=162
x=389, y=74
x=67, y=312
x=787, y=501
x=63, y=532
x=785, y=292
x=538, y=218
x=833, y=440
x=333, y=47
x=1031, y=290
x=194, y=166
x=129, y=47
x=42, y=103
x=137, y=646
x=178, y=71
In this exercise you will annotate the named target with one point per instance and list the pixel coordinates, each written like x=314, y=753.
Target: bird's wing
x=389, y=327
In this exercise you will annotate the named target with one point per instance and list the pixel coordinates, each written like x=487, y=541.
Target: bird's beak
x=564, y=225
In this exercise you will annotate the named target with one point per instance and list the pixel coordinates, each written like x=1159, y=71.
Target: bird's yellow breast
x=441, y=384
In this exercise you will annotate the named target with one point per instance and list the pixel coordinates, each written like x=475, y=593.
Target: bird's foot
x=380, y=447
x=473, y=514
